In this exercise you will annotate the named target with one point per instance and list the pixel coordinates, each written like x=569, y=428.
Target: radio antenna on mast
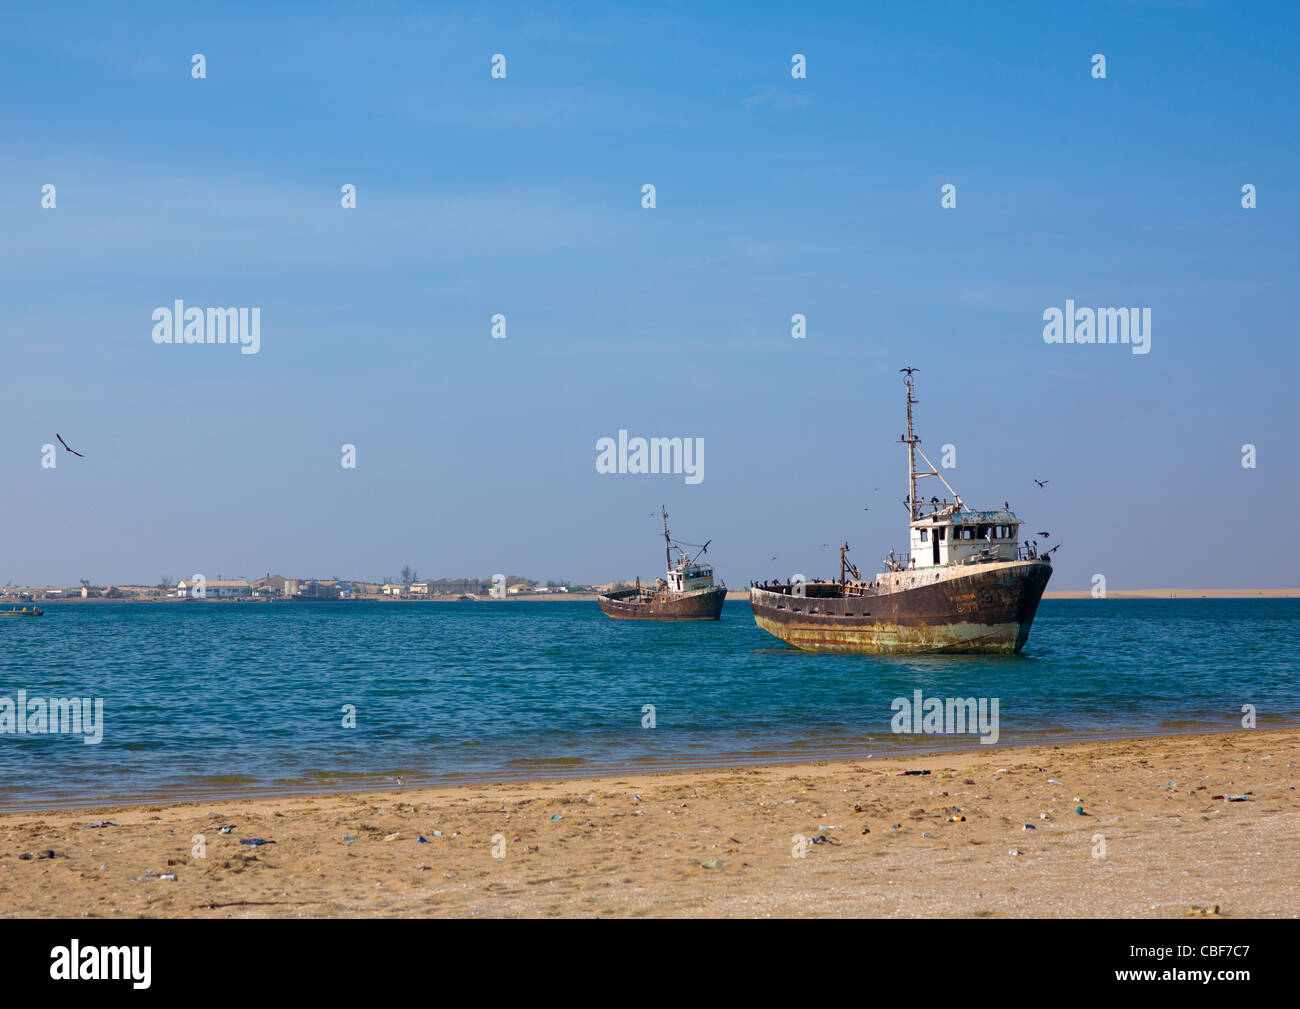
x=913, y=449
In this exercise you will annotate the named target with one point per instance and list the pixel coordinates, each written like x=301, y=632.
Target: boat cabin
x=689, y=577
x=962, y=536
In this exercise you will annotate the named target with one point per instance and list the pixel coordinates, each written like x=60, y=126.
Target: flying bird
x=909, y=370
x=1044, y=535
x=65, y=446
x=1041, y=483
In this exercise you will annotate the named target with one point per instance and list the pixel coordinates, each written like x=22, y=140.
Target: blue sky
x=522, y=196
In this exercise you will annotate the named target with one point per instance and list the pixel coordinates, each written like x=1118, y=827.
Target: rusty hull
x=631, y=604
x=981, y=609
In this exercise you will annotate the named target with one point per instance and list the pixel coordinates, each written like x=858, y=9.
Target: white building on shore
x=200, y=588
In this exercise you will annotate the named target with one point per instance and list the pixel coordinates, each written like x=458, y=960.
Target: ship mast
x=910, y=441
x=668, y=543
x=847, y=567
x=913, y=442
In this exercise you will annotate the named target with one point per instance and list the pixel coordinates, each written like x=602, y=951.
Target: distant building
x=391, y=590
x=218, y=589
x=323, y=590
x=457, y=587
x=274, y=585
x=418, y=588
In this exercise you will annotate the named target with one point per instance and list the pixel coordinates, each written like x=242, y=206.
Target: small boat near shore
x=686, y=593
x=26, y=611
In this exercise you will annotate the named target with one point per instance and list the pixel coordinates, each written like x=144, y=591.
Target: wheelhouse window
x=925, y=535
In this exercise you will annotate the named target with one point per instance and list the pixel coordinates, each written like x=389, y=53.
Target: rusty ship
x=967, y=584
x=687, y=593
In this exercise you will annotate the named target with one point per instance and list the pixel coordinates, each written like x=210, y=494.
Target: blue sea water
x=203, y=700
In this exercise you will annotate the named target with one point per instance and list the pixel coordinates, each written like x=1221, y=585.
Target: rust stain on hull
x=987, y=611
x=633, y=605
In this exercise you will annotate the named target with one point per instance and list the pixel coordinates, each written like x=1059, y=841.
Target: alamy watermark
x=39, y=716
x=651, y=455
x=179, y=324
x=946, y=716
x=1101, y=325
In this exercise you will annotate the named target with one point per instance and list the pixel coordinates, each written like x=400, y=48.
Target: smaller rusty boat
x=687, y=593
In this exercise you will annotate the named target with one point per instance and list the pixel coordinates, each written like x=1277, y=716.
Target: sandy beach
x=1158, y=837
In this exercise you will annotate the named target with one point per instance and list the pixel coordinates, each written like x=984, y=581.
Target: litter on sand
x=255, y=841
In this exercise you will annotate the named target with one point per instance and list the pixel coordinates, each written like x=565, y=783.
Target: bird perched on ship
x=65, y=446
x=1041, y=483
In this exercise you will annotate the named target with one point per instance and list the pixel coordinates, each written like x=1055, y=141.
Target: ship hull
x=628, y=604
x=985, y=609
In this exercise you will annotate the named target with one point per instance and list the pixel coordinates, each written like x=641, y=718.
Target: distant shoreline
x=590, y=597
